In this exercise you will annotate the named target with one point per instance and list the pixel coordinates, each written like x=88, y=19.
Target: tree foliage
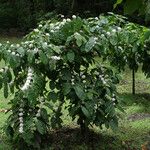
x=55, y=67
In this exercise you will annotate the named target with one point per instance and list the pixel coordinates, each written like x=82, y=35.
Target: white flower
x=72, y=80
x=2, y=70
x=40, y=25
x=108, y=33
x=29, y=78
x=62, y=16
x=76, y=33
x=36, y=30
x=64, y=20
x=21, y=129
x=96, y=18
x=11, y=45
x=114, y=30
x=21, y=120
x=74, y=17
x=13, y=53
x=21, y=114
x=31, y=45
x=62, y=23
x=30, y=70
x=113, y=99
x=21, y=125
x=42, y=99
x=27, y=82
x=68, y=19
x=100, y=76
x=118, y=28
x=27, y=42
x=45, y=43
x=17, y=55
x=38, y=113
x=83, y=76
x=47, y=34
x=24, y=87
x=7, y=42
x=97, y=26
x=30, y=74
x=18, y=45
x=104, y=82
x=36, y=50
x=84, y=81
x=52, y=31
x=52, y=25
x=21, y=109
x=57, y=28
x=0, y=44
x=72, y=83
x=55, y=58
x=102, y=35
x=95, y=38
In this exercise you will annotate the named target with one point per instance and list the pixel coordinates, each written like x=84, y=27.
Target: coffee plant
x=122, y=42
x=55, y=67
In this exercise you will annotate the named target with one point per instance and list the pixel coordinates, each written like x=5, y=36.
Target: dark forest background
x=23, y=15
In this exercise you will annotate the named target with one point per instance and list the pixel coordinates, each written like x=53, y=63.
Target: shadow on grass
x=129, y=99
x=71, y=139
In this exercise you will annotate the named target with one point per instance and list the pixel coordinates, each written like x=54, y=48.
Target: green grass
x=12, y=39
x=130, y=134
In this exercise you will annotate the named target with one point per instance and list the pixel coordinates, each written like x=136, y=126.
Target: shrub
x=59, y=54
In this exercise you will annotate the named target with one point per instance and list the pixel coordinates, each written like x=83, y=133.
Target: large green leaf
x=80, y=91
x=41, y=127
x=21, y=51
x=90, y=44
x=5, y=90
x=56, y=49
x=66, y=88
x=132, y=5
x=85, y=112
x=43, y=57
x=79, y=39
x=70, y=56
x=53, y=96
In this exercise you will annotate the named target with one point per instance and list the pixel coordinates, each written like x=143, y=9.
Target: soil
x=139, y=116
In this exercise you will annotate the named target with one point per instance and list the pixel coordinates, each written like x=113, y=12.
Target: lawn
x=134, y=125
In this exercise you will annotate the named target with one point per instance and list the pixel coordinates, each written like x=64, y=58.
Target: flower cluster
x=102, y=79
x=55, y=57
x=41, y=105
x=83, y=77
x=12, y=52
x=21, y=119
x=2, y=70
x=29, y=80
x=113, y=99
x=72, y=80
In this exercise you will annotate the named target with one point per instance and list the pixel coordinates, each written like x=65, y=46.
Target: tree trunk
x=83, y=127
x=133, y=81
